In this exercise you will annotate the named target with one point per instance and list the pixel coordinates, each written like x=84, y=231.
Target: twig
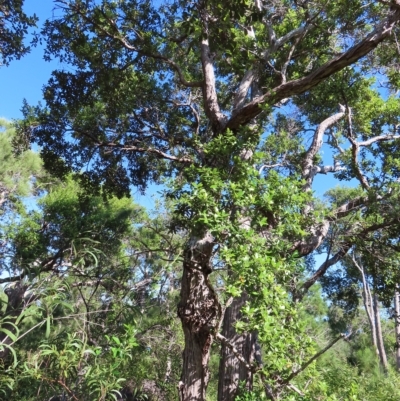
x=317, y=355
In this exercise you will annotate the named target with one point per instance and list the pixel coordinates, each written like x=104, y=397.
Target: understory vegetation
x=268, y=268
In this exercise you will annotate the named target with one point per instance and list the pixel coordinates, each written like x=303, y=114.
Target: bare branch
x=211, y=105
x=309, y=170
x=354, y=152
x=295, y=389
x=244, y=87
x=329, y=169
x=378, y=139
x=312, y=243
x=288, y=59
x=275, y=44
x=262, y=168
x=317, y=355
x=250, y=75
x=367, y=300
x=322, y=270
x=236, y=352
x=132, y=148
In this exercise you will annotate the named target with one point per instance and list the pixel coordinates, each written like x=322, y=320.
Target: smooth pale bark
x=231, y=371
x=370, y=313
x=289, y=89
x=368, y=303
x=199, y=311
x=397, y=327
x=379, y=336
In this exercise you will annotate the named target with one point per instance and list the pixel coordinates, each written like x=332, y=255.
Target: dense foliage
x=14, y=25
x=245, y=284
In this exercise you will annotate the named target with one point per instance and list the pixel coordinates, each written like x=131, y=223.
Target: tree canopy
x=236, y=109
x=14, y=25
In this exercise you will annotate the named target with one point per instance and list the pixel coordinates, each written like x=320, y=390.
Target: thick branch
x=308, y=171
x=328, y=169
x=250, y=75
x=319, y=233
x=348, y=207
x=322, y=270
x=298, y=86
x=354, y=152
x=378, y=139
x=244, y=87
x=211, y=105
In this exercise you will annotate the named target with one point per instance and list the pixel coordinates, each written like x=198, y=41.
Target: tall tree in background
x=190, y=92
x=17, y=171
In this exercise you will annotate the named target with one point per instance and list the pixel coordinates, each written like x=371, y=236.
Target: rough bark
x=231, y=371
x=199, y=311
x=15, y=306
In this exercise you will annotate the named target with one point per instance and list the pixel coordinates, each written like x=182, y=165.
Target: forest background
x=241, y=281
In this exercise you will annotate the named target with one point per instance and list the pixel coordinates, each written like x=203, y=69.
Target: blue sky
x=25, y=78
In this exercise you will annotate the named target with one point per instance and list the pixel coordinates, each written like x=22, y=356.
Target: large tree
x=229, y=104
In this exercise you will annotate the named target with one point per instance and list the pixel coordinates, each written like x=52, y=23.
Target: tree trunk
x=369, y=309
x=368, y=304
x=199, y=311
x=397, y=327
x=14, y=308
x=379, y=337
x=231, y=371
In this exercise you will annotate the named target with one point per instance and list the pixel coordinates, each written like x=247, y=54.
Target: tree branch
x=308, y=171
x=348, y=207
x=317, y=355
x=298, y=86
x=118, y=36
x=161, y=154
x=236, y=352
x=250, y=75
x=354, y=152
x=378, y=139
x=322, y=270
x=211, y=105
